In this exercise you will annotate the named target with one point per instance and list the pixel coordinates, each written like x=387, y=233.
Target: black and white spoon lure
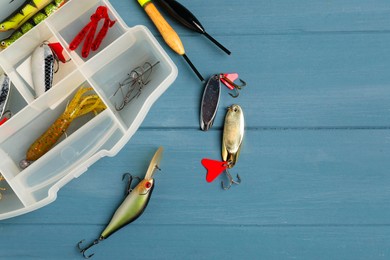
x=5, y=87
x=42, y=69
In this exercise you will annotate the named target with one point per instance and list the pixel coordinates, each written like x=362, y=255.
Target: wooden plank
x=199, y=242
x=293, y=81
x=277, y=17
x=306, y=177
x=302, y=79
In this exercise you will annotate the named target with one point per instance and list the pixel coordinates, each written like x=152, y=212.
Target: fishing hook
x=129, y=182
x=236, y=95
x=136, y=80
x=83, y=250
x=231, y=180
x=233, y=85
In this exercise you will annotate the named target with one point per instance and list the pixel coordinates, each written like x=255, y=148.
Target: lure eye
x=148, y=185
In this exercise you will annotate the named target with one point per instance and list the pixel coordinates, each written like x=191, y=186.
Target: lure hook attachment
x=229, y=164
x=83, y=250
x=129, y=182
x=231, y=180
x=231, y=85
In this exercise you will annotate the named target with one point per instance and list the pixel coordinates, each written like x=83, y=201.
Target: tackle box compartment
x=90, y=137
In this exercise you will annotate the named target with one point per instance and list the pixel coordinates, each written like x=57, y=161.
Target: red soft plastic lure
x=214, y=168
x=89, y=31
x=88, y=40
x=79, y=37
x=108, y=23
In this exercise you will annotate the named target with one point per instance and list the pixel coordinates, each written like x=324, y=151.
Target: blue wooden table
x=315, y=161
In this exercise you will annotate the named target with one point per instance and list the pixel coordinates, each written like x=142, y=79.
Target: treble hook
x=136, y=80
x=83, y=250
x=131, y=177
x=233, y=86
x=231, y=181
x=236, y=95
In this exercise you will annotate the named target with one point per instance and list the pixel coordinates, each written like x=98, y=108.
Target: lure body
x=133, y=205
x=210, y=101
x=80, y=105
x=35, y=20
x=233, y=135
x=5, y=87
x=42, y=69
x=23, y=14
x=136, y=201
x=131, y=208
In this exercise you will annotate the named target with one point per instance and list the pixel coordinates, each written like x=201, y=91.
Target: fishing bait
x=233, y=134
x=188, y=19
x=5, y=88
x=35, y=20
x=211, y=96
x=133, y=205
x=42, y=69
x=80, y=105
x=1, y=189
x=88, y=32
x=23, y=14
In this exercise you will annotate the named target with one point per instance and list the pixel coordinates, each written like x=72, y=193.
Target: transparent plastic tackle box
x=89, y=138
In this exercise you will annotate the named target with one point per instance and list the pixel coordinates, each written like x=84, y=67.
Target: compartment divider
x=33, y=169
x=12, y=170
x=110, y=107
x=19, y=84
x=19, y=191
x=51, y=100
x=56, y=178
x=78, y=62
x=24, y=196
x=73, y=56
x=91, y=66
